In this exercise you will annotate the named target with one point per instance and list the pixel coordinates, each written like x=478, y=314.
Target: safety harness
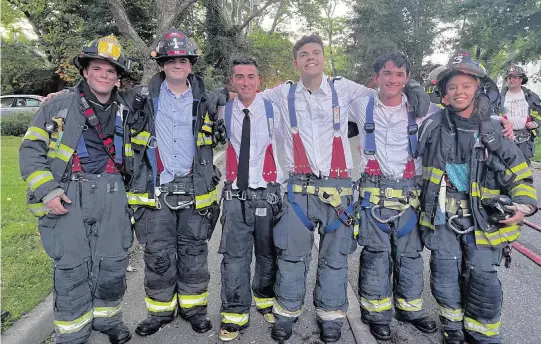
x=374, y=194
x=329, y=195
x=111, y=146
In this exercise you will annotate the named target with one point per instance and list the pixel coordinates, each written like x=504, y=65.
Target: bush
x=16, y=124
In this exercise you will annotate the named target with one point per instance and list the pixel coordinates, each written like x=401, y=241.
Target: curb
x=536, y=165
x=361, y=331
x=38, y=324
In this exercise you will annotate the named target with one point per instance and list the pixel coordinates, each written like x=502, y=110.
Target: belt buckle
x=388, y=192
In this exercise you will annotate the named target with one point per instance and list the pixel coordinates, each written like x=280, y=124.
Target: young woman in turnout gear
x=173, y=189
x=522, y=107
x=389, y=190
x=319, y=193
x=251, y=201
x=72, y=159
x=467, y=219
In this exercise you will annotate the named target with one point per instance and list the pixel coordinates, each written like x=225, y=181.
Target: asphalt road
x=520, y=319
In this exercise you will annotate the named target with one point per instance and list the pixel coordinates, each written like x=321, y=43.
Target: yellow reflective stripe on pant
x=425, y=221
x=376, y=305
x=36, y=134
x=503, y=235
x=523, y=190
x=65, y=327
x=414, y=305
x=63, y=153
x=278, y=309
x=140, y=199
x=488, y=330
x=262, y=303
x=330, y=315
x=141, y=138
x=234, y=318
x=521, y=171
x=106, y=312
x=189, y=301
x=450, y=314
x=311, y=189
x=203, y=139
x=37, y=209
x=159, y=306
x=206, y=200
x=38, y=178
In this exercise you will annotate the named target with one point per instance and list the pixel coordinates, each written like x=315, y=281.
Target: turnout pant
x=236, y=245
x=176, y=250
x=465, y=284
x=89, y=246
x=393, y=253
x=294, y=241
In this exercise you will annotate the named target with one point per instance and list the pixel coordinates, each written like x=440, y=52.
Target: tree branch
x=124, y=24
x=255, y=14
x=276, y=17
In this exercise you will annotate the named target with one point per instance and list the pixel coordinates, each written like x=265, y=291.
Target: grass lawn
x=26, y=268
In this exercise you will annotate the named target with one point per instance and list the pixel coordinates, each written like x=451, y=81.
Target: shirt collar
x=404, y=100
x=324, y=86
x=255, y=104
x=165, y=88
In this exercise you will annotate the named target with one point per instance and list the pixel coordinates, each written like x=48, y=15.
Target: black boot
x=119, y=334
x=282, y=329
x=381, y=332
x=424, y=324
x=331, y=331
x=152, y=324
x=453, y=337
x=200, y=323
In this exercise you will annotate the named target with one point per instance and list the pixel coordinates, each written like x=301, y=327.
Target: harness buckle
x=227, y=195
x=388, y=192
x=413, y=129
x=272, y=198
x=242, y=195
x=369, y=127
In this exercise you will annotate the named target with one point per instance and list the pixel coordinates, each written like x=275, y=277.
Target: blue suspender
x=269, y=111
x=413, y=128
x=335, y=106
x=369, y=127
x=151, y=151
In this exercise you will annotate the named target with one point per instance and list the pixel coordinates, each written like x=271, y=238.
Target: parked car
x=19, y=103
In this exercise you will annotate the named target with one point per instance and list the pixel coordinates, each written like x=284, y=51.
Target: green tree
x=381, y=26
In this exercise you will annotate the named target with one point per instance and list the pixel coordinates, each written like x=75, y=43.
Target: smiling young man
x=522, y=108
x=252, y=200
x=71, y=158
x=388, y=202
x=319, y=193
x=174, y=187
x=466, y=221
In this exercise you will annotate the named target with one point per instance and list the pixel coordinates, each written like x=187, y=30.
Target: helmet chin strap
x=455, y=109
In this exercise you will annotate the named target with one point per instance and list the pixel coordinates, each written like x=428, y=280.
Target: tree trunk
x=276, y=17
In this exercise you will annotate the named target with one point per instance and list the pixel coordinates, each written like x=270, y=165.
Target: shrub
x=16, y=124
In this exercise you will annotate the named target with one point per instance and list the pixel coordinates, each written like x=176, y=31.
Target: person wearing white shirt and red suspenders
x=320, y=190
x=389, y=190
x=251, y=201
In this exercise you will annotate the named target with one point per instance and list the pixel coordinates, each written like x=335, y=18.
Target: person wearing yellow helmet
x=467, y=223
x=72, y=159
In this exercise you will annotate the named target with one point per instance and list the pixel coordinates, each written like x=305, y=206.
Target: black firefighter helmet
x=463, y=63
x=515, y=70
x=105, y=48
x=173, y=44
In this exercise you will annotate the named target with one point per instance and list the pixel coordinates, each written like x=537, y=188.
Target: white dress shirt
x=315, y=120
x=259, y=139
x=391, y=134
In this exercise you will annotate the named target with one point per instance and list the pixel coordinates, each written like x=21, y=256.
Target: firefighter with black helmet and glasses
x=521, y=106
x=173, y=189
x=72, y=159
x=477, y=188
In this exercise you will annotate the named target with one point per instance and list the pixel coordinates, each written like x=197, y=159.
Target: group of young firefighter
x=100, y=161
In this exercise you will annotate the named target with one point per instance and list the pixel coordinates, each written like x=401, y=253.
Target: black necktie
x=244, y=156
